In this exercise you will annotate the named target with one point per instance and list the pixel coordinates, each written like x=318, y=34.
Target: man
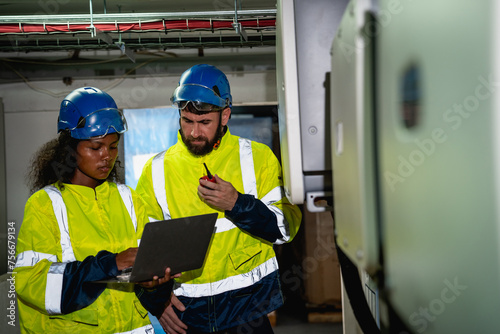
x=238, y=284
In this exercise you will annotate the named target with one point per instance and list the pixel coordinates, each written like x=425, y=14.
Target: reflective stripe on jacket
x=237, y=260
x=61, y=228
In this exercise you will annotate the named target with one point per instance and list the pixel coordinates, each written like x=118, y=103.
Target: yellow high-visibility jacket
x=69, y=238
x=239, y=280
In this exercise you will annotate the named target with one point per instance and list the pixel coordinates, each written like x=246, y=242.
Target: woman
x=80, y=227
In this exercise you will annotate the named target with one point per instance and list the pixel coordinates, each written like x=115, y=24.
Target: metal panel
x=352, y=142
x=303, y=39
x=314, y=26
x=288, y=102
x=438, y=66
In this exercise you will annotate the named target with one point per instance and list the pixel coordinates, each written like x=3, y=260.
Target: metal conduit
x=127, y=17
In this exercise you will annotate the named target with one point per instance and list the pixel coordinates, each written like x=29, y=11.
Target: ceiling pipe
x=127, y=17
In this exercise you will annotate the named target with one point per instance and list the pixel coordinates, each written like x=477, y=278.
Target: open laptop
x=180, y=244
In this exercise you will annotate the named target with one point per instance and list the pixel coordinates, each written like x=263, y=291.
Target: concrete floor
x=287, y=324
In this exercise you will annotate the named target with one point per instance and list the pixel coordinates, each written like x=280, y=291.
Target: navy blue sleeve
x=78, y=291
x=253, y=216
x=155, y=300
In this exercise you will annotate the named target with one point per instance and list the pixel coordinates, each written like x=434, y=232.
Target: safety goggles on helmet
x=99, y=124
x=202, y=97
x=200, y=106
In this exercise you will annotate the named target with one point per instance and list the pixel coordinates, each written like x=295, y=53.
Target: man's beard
x=203, y=149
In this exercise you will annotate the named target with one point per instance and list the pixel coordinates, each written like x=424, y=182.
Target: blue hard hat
x=89, y=112
x=203, y=84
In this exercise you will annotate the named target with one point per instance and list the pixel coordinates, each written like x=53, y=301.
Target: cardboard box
x=320, y=266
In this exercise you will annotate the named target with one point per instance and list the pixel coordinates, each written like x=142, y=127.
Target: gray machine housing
x=414, y=119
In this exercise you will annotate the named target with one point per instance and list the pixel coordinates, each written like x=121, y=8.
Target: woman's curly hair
x=55, y=162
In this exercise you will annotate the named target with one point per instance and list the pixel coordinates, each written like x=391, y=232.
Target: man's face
x=200, y=132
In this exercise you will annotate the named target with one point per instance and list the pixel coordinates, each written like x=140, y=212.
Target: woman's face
x=95, y=159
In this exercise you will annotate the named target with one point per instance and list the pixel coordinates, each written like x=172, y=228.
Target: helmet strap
x=220, y=133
